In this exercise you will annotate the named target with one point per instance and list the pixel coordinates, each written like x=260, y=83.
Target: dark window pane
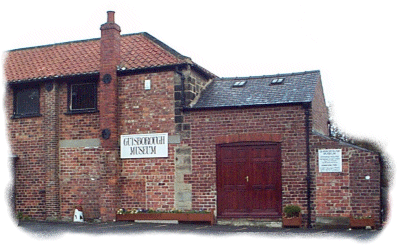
x=27, y=101
x=83, y=96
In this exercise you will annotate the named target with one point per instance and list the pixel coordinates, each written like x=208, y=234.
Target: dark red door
x=249, y=180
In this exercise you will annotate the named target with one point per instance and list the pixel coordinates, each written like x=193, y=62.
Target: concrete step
x=251, y=222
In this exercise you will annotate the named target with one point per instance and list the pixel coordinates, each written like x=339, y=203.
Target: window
x=239, y=84
x=277, y=81
x=26, y=102
x=82, y=97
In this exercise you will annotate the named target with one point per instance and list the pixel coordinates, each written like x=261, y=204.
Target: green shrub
x=292, y=211
x=20, y=216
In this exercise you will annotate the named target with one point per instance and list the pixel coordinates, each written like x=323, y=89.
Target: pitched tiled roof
x=138, y=51
x=144, y=51
x=296, y=88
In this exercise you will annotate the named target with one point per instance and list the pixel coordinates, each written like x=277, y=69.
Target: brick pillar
x=108, y=106
x=50, y=122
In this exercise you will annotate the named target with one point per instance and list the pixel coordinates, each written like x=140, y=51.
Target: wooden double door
x=249, y=180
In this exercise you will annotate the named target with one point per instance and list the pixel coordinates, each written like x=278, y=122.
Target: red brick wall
x=104, y=183
x=78, y=165
x=51, y=138
x=147, y=111
x=207, y=125
x=319, y=111
x=347, y=193
x=77, y=126
x=79, y=181
x=365, y=193
x=332, y=189
x=147, y=183
x=41, y=166
x=27, y=138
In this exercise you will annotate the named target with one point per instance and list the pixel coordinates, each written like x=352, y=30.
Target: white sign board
x=144, y=146
x=330, y=160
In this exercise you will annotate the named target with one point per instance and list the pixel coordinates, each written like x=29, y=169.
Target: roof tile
x=138, y=51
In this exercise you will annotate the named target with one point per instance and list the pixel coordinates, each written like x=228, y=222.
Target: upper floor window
x=26, y=102
x=82, y=97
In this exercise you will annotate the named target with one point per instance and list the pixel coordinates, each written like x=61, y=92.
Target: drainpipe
x=13, y=160
x=306, y=107
x=382, y=196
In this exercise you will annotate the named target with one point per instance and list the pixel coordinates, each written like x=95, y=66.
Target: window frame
x=278, y=81
x=70, y=109
x=16, y=91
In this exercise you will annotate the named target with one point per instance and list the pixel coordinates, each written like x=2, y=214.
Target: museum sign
x=144, y=145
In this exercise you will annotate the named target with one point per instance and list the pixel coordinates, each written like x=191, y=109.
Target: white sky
x=355, y=44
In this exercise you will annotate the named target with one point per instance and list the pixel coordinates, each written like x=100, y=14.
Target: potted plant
x=362, y=222
x=292, y=216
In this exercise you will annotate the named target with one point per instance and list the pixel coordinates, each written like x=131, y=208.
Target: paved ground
x=52, y=229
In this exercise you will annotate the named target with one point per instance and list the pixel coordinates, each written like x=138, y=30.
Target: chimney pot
x=110, y=16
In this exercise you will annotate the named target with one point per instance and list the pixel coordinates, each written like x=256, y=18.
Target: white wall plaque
x=144, y=145
x=330, y=160
x=147, y=84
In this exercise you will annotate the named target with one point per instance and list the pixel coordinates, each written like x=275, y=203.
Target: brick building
x=125, y=121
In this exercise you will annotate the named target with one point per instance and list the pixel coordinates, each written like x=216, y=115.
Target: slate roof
x=138, y=51
x=296, y=88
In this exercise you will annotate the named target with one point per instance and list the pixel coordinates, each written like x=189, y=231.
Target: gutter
x=242, y=106
x=306, y=107
x=95, y=74
x=88, y=75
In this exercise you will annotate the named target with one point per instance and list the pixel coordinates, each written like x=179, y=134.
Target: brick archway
x=248, y=137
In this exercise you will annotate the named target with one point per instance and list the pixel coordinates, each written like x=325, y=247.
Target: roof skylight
x=239, y=84
x=277, y=80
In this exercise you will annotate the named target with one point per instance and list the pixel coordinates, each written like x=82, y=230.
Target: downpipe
x=306, y=107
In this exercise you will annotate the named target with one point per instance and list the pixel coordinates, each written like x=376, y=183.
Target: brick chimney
x=110, y=57
x=108, y=106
